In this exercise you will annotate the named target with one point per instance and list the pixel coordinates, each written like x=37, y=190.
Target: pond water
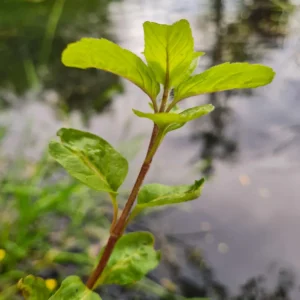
x=248, y=218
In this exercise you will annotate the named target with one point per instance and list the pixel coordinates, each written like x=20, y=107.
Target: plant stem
x=164, y=99
x=172, y=104
x=118, y=229
x=133, y=214
x=103, y=261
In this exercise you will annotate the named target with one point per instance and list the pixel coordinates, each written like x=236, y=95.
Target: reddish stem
x=119, y=228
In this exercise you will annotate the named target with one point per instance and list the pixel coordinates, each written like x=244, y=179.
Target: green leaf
x=195, y=61
x=132, y=258
x=171, y=121
x=169, y=51
x=224, y=77
x=73, y=288
x=33, y=288
x=106, y=55
x=191, y=114
x=155, y=194
x=90, y=159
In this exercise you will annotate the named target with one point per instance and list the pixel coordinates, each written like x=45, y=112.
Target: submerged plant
x=170, y=65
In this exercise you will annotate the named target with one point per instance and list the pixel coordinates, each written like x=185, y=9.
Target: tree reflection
x=256, y=288
x=258, y=27
x=32, y=37
x=277, y=283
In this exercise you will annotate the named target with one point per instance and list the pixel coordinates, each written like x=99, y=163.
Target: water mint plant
x=170, y=64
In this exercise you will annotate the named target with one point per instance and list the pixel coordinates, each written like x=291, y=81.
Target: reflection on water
x=31, y=41
x=256, y=26
x=248, y=217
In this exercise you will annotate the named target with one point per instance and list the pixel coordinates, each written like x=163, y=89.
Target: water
x=248, y=218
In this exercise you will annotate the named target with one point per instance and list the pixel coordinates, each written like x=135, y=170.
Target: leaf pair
x=171, y=121
x=169, y=52
x=94, y=162
x=171, y=61
x=132, y=258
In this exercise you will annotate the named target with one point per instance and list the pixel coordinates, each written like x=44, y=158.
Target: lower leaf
x=133, y=257
x=34, y=288
x=73, y=288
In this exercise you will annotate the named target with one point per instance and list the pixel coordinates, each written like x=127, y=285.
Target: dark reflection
x=32, y=37
x=259, y=26
x=256, y=288
x=277, y=283
x=268, y=18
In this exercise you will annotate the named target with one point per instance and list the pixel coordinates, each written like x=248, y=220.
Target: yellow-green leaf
x=224, y=77
x=195, y=61
x=72, y=288
x=34, y=288
x=171, y=121
x=133, y=257
x=90, y=159
x=106, y=55
x=155, y=194
x=169, y=51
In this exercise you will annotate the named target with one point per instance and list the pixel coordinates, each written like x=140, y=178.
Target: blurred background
x=240, y=240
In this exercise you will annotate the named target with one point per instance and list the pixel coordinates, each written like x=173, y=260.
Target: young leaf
x=171, y=121
x=73, y=288
x=106, y=55
x=33, y=288
x=192, y=114
x=195, y=61
x=132, y=258
x=224, y=77
x=158, y=194
x=169, y=51
x=90, y=159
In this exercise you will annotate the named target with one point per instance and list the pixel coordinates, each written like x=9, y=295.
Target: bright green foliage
x=195, y=61
x=169, y=51
x=73, y=288
x=224, y=77
x=33, y=288
x=155, y=194
x=133, y=257
x=106, y=55
x=90, y=159
x=171, y=121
